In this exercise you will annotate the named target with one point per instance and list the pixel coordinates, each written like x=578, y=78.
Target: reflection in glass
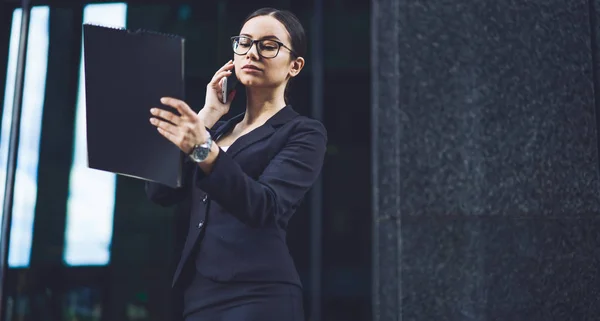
x=83, y=303
x=91, y=201
x=25, y=192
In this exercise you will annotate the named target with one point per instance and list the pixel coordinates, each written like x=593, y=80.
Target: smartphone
x=229, y=84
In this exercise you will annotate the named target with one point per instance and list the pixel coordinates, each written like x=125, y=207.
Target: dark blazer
x=240, y=211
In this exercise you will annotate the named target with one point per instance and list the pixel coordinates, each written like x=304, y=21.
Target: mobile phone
x=229, y=84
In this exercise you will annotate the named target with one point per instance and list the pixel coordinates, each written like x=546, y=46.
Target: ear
x=297, y=65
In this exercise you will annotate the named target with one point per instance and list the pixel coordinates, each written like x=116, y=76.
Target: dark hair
x=294, y=29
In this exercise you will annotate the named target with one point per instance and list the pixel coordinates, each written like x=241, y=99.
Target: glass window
x=91, y=200
x=25, y=192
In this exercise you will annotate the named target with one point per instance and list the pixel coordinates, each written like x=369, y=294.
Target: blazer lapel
x=250, y=138
x=227, y=126
x=261, y=132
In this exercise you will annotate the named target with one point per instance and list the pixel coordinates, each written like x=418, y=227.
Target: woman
x=245, y=179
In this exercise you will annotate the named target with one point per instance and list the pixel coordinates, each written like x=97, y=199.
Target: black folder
x=126, y=74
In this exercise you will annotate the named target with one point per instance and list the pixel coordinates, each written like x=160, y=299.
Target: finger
x=177, y=140
x=215, y=81
x=180, y=105
x=168, y=136
x=226, y=66
x=165, y=126
x=166, y=115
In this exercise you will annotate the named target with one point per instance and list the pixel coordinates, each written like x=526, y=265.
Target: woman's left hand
x=185, y=130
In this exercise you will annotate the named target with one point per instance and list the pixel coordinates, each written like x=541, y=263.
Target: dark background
x=146, y=238
x=461, y=180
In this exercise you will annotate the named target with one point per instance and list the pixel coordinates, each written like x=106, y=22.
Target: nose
x=253, y=52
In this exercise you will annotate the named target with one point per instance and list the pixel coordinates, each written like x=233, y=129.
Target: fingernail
x=162, y=100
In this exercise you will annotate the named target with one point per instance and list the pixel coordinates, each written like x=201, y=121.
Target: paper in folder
x=126, y=74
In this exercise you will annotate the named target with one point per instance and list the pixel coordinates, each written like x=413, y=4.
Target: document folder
x=126, y=74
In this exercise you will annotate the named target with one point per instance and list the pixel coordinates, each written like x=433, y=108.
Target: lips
x=251, y=67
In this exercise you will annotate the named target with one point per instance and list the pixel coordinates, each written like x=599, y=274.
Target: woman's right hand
x=214, y=96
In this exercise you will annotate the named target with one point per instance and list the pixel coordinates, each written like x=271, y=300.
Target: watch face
x=199, y=153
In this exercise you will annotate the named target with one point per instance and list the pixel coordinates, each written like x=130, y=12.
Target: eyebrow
x=265, y=37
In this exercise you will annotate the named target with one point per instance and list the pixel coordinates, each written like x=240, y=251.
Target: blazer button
x=200, y=224
x=205, y=198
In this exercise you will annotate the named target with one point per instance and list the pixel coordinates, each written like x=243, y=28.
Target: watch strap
x=204, y=148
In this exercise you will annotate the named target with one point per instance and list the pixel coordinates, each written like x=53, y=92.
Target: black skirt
x=209, y=300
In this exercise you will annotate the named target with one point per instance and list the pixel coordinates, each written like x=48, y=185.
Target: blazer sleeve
x=282, y=185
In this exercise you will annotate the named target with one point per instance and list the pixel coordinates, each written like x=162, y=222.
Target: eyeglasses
x=267, y=48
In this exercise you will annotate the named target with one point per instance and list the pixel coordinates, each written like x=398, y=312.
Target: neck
x=262, y=104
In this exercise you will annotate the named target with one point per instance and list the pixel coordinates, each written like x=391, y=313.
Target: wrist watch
x=200, y=152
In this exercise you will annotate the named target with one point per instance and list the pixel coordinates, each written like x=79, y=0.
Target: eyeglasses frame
x=253, y=41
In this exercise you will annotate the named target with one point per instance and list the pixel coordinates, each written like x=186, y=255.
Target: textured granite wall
x=485, y=160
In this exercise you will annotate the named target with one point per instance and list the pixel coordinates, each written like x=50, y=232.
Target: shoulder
x=302, y=125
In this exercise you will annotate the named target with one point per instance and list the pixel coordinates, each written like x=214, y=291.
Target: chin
x=251, y=82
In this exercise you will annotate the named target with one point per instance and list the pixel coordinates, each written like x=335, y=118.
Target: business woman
x=244, y=179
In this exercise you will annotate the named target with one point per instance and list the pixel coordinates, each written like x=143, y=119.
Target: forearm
x=210, y=116
x=207, y=165
x=280, y=186
x=250, y=200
